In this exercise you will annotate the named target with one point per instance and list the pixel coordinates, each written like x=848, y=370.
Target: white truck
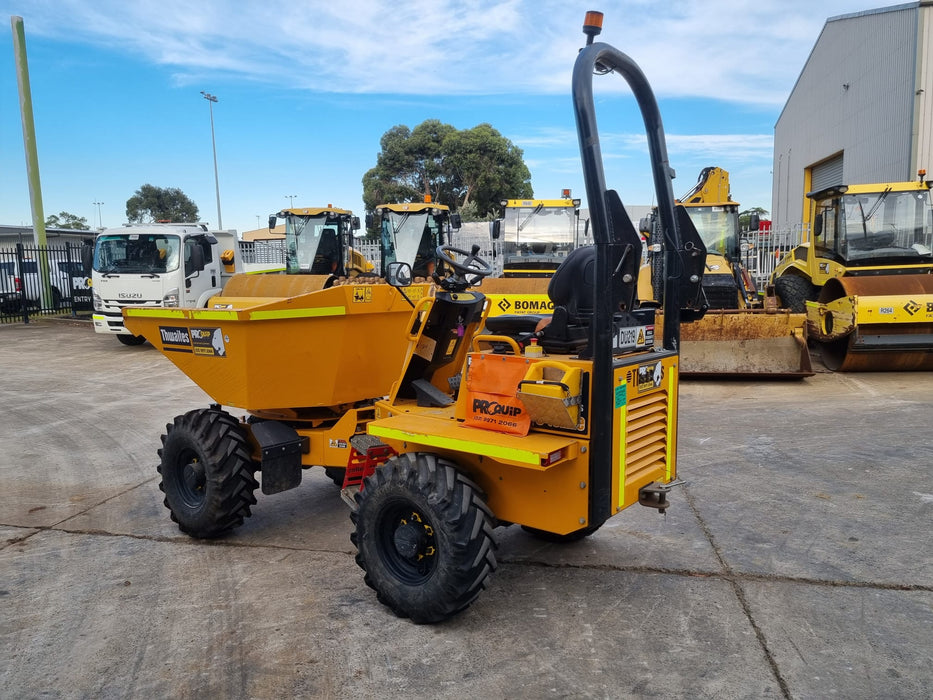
x=160, y=265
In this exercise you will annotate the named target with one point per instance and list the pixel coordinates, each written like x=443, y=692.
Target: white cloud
x=733, y=50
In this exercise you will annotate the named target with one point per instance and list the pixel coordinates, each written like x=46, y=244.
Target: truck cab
x=157, y=265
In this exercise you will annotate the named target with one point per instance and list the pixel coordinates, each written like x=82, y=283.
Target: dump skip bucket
x=324, y=348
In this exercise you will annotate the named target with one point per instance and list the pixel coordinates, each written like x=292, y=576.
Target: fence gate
x=44, y=281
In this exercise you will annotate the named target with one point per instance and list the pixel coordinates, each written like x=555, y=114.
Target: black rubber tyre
x=574, y=536
x=131, y=339
x=424, y=537
x=336, y=474
x=207, y=472
x=794, y=292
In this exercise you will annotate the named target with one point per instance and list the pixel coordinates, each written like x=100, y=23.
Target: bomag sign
x=524, y=304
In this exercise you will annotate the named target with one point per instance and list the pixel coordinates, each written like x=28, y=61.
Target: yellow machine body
x=864, y=276
x=540, y=479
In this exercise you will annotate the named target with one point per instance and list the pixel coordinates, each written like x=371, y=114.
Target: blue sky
x=307, y=88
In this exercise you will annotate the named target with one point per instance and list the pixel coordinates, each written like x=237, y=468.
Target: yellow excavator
x=863, y=275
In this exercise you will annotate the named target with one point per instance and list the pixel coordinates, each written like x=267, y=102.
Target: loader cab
x=718, y=226
x=411, y=233
x=317, y=240
x=869, y=225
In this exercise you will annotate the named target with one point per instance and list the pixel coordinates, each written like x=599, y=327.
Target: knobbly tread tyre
x=794, y=292
x=131, y=340
x=215, y=440
x=462, y=525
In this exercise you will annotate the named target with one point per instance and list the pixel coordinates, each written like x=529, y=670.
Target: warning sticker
x=362, y=294
x=650, y=376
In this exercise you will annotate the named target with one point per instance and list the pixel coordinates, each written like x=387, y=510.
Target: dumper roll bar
x=609, y=235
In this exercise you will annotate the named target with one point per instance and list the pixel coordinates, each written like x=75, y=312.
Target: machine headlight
x=98, y=303
x=170, y=298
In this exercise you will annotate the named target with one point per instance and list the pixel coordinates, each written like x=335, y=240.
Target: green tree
x=150, y=204
x=67, y=220
x=469, y=170
x=744, y=216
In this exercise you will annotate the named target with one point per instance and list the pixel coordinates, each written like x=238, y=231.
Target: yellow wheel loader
x=743, y=333
x=863, y=276
x=318, y=242
x=411, y=232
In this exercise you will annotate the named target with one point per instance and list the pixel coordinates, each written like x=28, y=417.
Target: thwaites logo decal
x=172, y=335
x=200, y=341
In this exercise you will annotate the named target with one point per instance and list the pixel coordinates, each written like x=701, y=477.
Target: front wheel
x=424, y=536
x=794, y=292
x=207, y=472
x=131, y=339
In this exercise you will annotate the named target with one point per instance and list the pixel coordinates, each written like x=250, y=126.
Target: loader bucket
x=327, y=348
x=754, y=344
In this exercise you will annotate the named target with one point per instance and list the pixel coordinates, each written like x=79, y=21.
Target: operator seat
x=572, y=293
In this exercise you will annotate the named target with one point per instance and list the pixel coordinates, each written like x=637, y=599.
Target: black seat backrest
x=573, y=284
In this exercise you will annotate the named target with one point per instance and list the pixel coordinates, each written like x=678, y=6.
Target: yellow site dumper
x=475, y=431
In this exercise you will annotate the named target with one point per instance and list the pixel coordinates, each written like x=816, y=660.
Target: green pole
x=32, y=156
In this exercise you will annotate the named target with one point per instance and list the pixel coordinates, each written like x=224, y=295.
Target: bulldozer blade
x=746, y=344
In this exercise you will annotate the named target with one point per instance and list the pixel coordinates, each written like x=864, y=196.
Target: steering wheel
x=468, y=271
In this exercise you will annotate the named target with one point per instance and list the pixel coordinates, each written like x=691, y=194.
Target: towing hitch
x=654, y=495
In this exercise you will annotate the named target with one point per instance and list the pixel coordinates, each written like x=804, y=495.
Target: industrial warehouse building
x=861, y=110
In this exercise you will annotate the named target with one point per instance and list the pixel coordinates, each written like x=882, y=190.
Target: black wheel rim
x=192, y=481
x=407, y=542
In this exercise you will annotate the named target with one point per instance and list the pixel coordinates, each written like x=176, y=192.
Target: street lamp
x=211, y=100
x=98, y=205
x=291, y=200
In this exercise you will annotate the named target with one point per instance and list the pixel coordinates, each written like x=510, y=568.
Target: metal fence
x=43, y=281
x=763, y=250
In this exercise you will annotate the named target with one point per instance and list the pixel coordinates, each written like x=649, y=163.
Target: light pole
x=211, y=100
x=98, y=205
x=291, y=200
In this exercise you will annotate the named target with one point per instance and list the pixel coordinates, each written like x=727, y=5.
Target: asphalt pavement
x=795, y=562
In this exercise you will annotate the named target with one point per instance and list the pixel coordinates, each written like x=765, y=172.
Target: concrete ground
x=796, y=562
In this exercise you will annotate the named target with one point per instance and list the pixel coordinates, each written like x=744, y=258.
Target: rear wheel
x=207, y=472
x=794, y=292
x=424, y=537
x=131, y=339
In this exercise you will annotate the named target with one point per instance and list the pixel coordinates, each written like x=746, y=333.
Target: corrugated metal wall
x=923, y=94
x=854, y=97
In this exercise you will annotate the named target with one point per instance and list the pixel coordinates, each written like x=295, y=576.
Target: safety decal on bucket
x=362, y=294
